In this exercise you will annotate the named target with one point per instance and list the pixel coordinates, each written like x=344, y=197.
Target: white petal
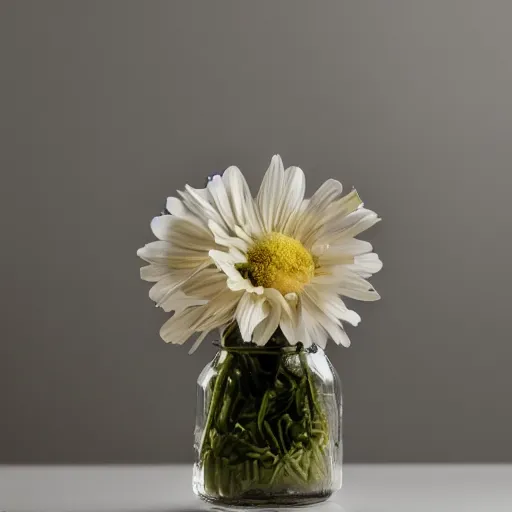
x=333, y=328
x=366, y=264
x=220, y=310
x=312, y=331
x=269, y=195
x=355, y=287
x=325, y=277
x=198, y=342
x=316, y=207
x=243, y=207
x=349, y=316
x=238, y=191
x=304, y=205
x=342, y=338
x=226, y=262
x=291, y=198
x=175, y=257
x=366, y=296
x=355, y=223
x=251, y=310
x=166, y=288
x=344, y=205
x=206, y=284
x=239, y=283
x=162, y=290
x=221, y=199
x=161, y=227
x=182, y=233
x=238, y=255
x=183, y=260
x=178, y=328
x=266, y=327
x=216, y=313
x=177, y=208
x=328, y=192
x=278, y=301
x=223, y=238
x=155, y=252
x=225, y=302
x=240, y=233
x=154, y=273
x=178, y=302
x=289, y=325
x=335, y=254
x=199, y=201
x=332, y=305
x=329, y=221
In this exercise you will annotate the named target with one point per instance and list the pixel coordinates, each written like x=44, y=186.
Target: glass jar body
x=268, y=429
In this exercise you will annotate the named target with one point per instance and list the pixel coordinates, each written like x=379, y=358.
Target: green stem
x=265, y=426
x=216, y=397
x=310, y=387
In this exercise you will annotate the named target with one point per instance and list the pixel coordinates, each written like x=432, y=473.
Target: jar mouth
x=252, y=348
x=231, y=341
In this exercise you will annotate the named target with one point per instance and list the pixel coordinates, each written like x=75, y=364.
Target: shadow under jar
x=268, y=427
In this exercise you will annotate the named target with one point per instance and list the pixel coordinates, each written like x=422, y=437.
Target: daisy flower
x=274, y=261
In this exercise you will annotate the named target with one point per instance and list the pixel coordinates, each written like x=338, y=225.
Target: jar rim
x=252, y=348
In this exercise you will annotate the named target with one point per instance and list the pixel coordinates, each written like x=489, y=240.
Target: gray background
x=108, y=107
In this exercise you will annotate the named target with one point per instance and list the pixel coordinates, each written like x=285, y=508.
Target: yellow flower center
x=280, y=262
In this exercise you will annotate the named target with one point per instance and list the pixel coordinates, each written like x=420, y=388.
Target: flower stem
x=266, y=427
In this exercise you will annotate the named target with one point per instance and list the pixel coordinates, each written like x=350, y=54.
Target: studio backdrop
x=107, y=107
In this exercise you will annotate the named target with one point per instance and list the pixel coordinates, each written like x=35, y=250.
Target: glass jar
x=268, y=429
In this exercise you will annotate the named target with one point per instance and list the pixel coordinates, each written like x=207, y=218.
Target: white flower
x=276, y=261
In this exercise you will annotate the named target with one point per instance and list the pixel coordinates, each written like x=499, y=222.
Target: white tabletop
x=366, y=488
